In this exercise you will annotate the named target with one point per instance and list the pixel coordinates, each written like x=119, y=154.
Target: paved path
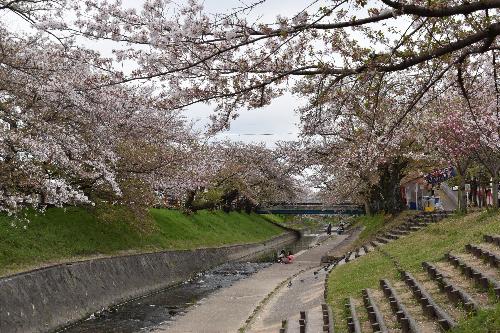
x=227, y=309
x=305, y=294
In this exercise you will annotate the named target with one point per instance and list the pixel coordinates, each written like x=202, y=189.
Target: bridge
x=313, y=208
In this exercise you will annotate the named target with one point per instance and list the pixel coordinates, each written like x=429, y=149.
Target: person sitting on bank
x=340, y=228
x=282, y=258
x=290, y=256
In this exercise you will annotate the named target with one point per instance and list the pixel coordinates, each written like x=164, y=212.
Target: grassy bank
x=427, y=244
x=373, y=224
x=75, y=233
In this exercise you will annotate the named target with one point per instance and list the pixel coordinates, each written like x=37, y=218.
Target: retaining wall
x=45, y=299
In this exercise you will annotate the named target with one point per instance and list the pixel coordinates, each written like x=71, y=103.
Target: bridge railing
x=325, y=207
x=312, y=209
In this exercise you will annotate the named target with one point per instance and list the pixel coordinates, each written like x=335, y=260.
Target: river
x=147, y=313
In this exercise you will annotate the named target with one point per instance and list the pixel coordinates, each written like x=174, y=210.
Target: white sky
x=275, y=122
x=272, y=123
x=278, y=119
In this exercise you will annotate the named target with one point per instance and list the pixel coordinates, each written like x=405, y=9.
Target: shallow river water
x=147, y=313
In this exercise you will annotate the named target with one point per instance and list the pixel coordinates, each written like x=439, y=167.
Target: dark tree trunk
x=188, y=203
x=386, y=195
x=494, y=193
x=228, y=199
x=462, y=199
x=368, y=209
x=462, y=196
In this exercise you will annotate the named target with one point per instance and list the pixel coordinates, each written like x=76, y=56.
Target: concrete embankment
x=45, y=299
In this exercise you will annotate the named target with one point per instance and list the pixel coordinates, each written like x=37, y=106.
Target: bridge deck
x=313, y=209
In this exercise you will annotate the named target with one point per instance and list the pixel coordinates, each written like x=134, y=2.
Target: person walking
x=329, y=229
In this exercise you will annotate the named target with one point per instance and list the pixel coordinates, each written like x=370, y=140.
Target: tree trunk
x=368, y=210
x=228, y=200
x=188, y=203
x=494, y=191
x=386, y=195
x=462, y=199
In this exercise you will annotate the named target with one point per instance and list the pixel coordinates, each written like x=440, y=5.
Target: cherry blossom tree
x=452, y=136
x=235, y=63
x=67, y=135
x=242, y=176
x=364, y=140
x=322, y=54
x=61, y=140
x=371, y=72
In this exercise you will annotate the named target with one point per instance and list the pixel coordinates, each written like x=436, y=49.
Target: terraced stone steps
x=482, y=280
x=408, y=324
x=435, y=299
x=400, y=232
x=391, y=236
x=353, y=323
x=413, y=224
x=493, y=239
x=382, y=240
x=455, y=294
x=374, y=314
x=317, y=320
x=429, y=306
x=484, y=254
x=327, y=318
x=405, y=307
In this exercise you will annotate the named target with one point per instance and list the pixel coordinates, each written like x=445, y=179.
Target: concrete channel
x=47, y=299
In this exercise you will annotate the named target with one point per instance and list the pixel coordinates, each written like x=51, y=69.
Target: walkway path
x=304, y=294
x=228, y=309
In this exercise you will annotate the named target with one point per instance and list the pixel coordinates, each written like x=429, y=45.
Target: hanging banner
x=439, y=176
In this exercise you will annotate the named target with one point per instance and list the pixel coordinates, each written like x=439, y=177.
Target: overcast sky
x=271, y=123
x=275, y=122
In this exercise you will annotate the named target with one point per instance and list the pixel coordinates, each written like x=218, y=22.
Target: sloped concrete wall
x=45, y=299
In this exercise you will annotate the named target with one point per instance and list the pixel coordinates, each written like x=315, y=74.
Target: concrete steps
x=414, y=223
x=353, y=321
x=389, y=318
x=455, y=294
x=429, y=307
x=434, y=299
x=397, y=302
x=317, y=319
x=479, y=252
x=419, y=303
x=481, y=278
x=375, y=316
x=493, y=239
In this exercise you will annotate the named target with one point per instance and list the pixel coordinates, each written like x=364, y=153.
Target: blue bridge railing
x=313, y=209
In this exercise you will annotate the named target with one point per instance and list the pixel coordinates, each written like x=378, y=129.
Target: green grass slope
x=373, y=224
x=427, y=244
x=74, y=233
